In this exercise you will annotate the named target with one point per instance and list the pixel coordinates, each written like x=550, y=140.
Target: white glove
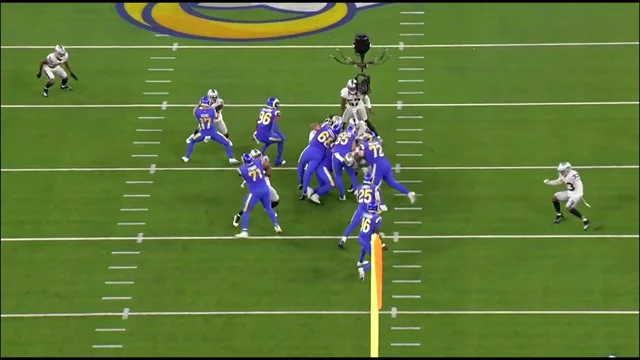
x=243, y=184
x=207, y=138
x=546, y=181
x=256, y=139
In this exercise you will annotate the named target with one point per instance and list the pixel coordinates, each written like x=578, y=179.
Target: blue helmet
x=273, y=102
x=372, y=206
x=247, y=159
x=368, y=178
x=336, y=128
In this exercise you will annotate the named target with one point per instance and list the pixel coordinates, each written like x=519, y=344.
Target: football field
x=112, y=246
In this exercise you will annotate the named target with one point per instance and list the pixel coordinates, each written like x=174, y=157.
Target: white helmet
x=352, y=86
x=212, y=94
x=564, y=168
x=60, y=51
x=255, y=153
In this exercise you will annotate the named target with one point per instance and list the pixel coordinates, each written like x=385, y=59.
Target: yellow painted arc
x=172, y=17
x=135, y=11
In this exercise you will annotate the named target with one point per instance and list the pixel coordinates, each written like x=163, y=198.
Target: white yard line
x=322, y=237
x=426, y=105
x=294, y=47
x=413, y=168
x=329, y=312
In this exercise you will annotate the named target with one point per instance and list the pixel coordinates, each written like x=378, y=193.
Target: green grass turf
x=518, y=274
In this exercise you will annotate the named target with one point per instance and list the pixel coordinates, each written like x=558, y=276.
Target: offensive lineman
x=273, y=194
x=51, y=66
x=355, y=106
x=573, y=195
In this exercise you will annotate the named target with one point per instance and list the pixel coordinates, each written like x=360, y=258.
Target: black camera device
x=361, y=45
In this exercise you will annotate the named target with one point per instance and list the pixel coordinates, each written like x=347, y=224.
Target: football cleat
x=185, y=159
x=233, y=162
x=243, y=234
x=315, y=198
x=277, y=229
x=361, y=274
x=558, y=218
x=585, y=224
x=341, y=244
x=412, y=197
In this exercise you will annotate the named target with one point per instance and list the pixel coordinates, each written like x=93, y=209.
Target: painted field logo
x=212, y=21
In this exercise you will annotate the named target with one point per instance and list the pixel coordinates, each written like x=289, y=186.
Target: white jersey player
x=572, y=196
x=273, y=194
x=52, y=66
x=354, y=106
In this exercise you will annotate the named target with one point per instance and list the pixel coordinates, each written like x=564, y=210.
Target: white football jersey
x=356, y=99
x=217, y=103
x=573, y=183
x=53, y=61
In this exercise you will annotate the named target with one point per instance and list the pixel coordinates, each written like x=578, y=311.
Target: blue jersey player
x=253, y=173
x=211, y=100
x=206, y=132
x=344, y=144
x=371, y=152
x=326, y=180
x=267, y=131
x=365, y=194
x=313, y=155
x=369, y=224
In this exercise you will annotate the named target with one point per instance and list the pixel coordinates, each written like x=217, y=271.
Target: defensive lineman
x=51, y=67
x=355, y=106
x=573, y=195
x=213, y=100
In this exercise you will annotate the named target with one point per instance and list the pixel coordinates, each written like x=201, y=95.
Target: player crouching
x=51, y=67
x=273, y=194
x=573, y=195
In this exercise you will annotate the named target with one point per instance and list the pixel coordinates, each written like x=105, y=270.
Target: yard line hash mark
x=110, y=329
x=405, y=296
x=421, y=168
x=125, y=253
x=321, y=312
x=151, y=117
x=156, y=93
x=123, y=267
x=135, y=182
x=146, y=143
x=116, y=298
x=162, y=58
x=407, y=281
x=405, y=328
x=118, y=282
x=107, y=346
x=131, y=224
x=159, y=69
x=136, y=195
x=157, y=81
x=134, y=209
x=321, y=237
x=174, y=47
x=105, y=106
x=405, y=344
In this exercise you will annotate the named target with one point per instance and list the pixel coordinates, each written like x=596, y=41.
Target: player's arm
x=577, y=184
x=42, y=63
x=66, y=64
x=555, y=182
x=219, y=107
x=314, y=126
x=267, y=168
x=343, y=104
x=367, y=103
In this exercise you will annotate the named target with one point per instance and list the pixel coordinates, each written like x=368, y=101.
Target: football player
x=273, y=194
x=354, y=105
x=51, y=67
x=211, y=99
x=572, y=196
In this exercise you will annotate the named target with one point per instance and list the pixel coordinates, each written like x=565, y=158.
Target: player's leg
x=312, y=165
x=327, y=184
x=572, y=204
x=221, y=127
x=196, y=139
x=50, y=80
x=364, y=266
x=556, y=199
x=265, y=199
x=303, y=159
x=355, y=219
x=337, y=166
x=362, y=115
x=393, y=183
x=377, y=174
x=58, y=70
x=220, y=139
x=273, y=197
x=352, y=177
x=322, y=181
x=279, y=141
x=347, y=116
x=249, y=202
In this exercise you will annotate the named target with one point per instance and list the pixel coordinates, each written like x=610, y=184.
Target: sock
x=47, y=86
x=371, y=127
x=264, y=148
x=64, y=82
x=240, y=213
x=363, y=252
x=195, y=132
x=273, y=204
x=227, y=136
x=576, y=213
x=556, y=206
x=280, y=151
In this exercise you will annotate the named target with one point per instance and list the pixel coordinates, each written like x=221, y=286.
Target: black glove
x=39, y=75
x=74, y=76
